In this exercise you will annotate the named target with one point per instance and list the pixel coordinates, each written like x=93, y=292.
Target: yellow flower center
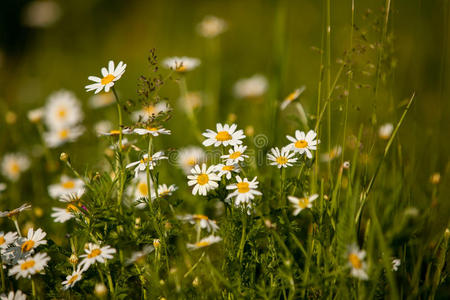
x=63, y=134
x=27, y=246
x=281, y=160
x=303, y=202
x=227, y=168
x=301, y=144
x=15, y=168
x=2, y=240
x=114, y=132
x=223, y=136
x=152, y=128
x=235, y=155
x=71, y=207
x=156, y=243
x=164, y=193
x=291, y=96
x=181, y=68
x=107, y=79
x=200, y=217
x=191, y=161
x=94, y=253
x=68, y=184
x=62, y=113
x=149, y=110
x=202, y=244
x=72, y=279
x=28, y=264
x=142, y=188
x=355, y=261
x=202, y=179
x=243, y=187
x=146, y=159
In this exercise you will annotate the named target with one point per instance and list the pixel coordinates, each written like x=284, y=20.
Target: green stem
x=3, y=276
x=243, y=236
x=120, y=168
x=33, y=288
x=16, y=223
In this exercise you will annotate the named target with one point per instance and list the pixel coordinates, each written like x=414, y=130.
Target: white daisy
x=151, y=130
x=15, y=211
x=150, y=111
x=13, y=164
x=207, y=241
x=164, y=190
x=141, y=165
x=181, y=64
x=203, y=179
x=201, y=220
x=101, y=100
x=252, y=87
x=191, y=101
x=62, y=110
x=17, y=295
x=385, y=131
x=292, y=96
x=102, y=126
x=211, y=26
x=244, y=192
x=110, y=75
x=281, y=159
x=396, y=262
x=95, y=253
x=139, y=256
x=139, y=190
x=303, y=143
x=225, y=135
x=29, y=266
x=33, y=240
x=116, y=132
x=72, y=279
x=72, y=197
x=35, y=115
x=66, y=186
x=62, y=215
x=189, y=157
x=227, y=170
x=235, y=155
x=7, y=239
x=302, y=203
x=355, y=258
x=59, y=136
x=334, y=152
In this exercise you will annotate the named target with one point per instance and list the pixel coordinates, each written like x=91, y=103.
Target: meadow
x=224, y=149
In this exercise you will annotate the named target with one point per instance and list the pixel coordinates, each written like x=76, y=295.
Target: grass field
x=224, y=149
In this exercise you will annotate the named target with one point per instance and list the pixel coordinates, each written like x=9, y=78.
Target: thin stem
x=243, y=236
x=3, y=276
x=17, y=226
x=33, y=288
x=120, y=168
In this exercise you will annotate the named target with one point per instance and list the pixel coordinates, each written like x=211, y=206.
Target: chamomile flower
x=61, y=135
x=334, y=152
x=110, y=75
x=95, y=253
x=355, y=258
x=33, y=240
x=29, y=266
x=165, y=191
x=36, y=115
x=227, y=170
x=244, y=191
x=291, y=97
x=225, y=135
x=102, y=126
x=66, y=186
x=252, y=87
x=17, y=295
x=63, y=110
x=139, y=191
x=281, y=159
x=7, y=239
x=211, y=26
x=72, y=197
x=235, y=155
x=141, y=165
x=62, y=215
x=72, y=279
x=303, y=143
x=201, y=220
x=102, y=100
x=181, y=64
x=151, y=130
x=15, y=211
x=14, y=164
x=207, y=241
x=139, y=256
x=302, y=203
x=203, y=179
x=116, y=132
x=189, y=157
x=150, y=111
x=385, y=131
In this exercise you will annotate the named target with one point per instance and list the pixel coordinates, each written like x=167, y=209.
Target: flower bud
x=64, y=157
x=73, y=259
x=100, y=290
x=156, y=243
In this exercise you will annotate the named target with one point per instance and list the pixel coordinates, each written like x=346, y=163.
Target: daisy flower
x=101, y=100
x=29, y=266
x=396, y=262
x=62, y=215
x=72, y=197
x=116, y=132
x=252, y=87
x=244, y=190
x=139, y=191
x=181, y=64
x=203, y=179
x=141, y=165
x=95, y=253
x=66, y=186
x=151, y=130
x=139, y=256
x=291, y=97
x=189, y=157
x=281, y=159
x=302, y=203
x=35, y=115
x=334, y=152
x=207, y=241
x=33, y=240
x=355, y=258
x=103, y=126
x=7, y=239
x=201, y=220
x=191, y=101
x=150, y=111
x=15, y=211
x=303, y=144
x=59, y=136
x=110, y=75
x=211, y=26
x=164, y=190
x=225, y=135
x=13, y=164
x=72, y=279
x=17, y=295
x=385, y=131
x=235, y=155
x=62, y=110
x=226, y=170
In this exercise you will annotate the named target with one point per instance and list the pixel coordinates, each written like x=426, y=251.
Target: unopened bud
x=10, y=117
x=196, y=282
x=346, y=165
x=73, y=259
x=100, y=290
x=64, y=157
x=435, y=178
x=447, y=233
x=156, y=243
